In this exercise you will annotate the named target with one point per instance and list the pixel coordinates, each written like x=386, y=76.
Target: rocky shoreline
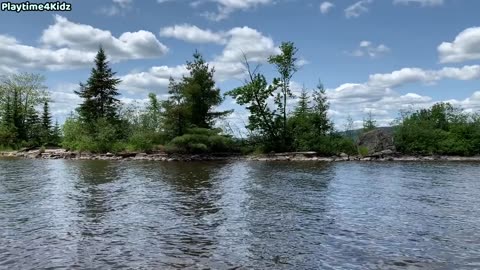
x=161, y=156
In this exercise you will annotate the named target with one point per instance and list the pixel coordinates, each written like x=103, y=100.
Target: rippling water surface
x=238, y=215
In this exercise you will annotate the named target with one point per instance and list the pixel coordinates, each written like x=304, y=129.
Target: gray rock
x=378, y=143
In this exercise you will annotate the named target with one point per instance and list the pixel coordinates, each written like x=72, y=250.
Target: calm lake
x=238, y=215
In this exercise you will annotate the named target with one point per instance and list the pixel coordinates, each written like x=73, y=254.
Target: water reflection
x=238, y=215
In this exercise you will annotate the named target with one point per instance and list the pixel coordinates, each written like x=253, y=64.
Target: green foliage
x=192, y=100
x=99, y=93
x=254, y=95
x=441, y=129
x=310, y=126
x=202, y=141
x=369, y=123
x=141, y=141
x=270, y=123
x=77, y=137
x=19, y=122
x=363, y=151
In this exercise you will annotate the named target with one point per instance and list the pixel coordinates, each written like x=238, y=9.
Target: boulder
x=377, y=142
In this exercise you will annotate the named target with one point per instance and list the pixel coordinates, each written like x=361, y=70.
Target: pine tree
x=100, y=92
x=46, y=124
x=7, y=117
x=56, y=135
x=175, y=112
x=303, y=102
x=46, y=117
x=33, y=127
x=200, y=93
x=321, y=124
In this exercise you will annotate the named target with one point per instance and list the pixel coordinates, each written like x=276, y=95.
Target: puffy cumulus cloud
x=423, y=3
x=378, y=96
x=82, y=37
x=192, y=33
x=249, y=42
x=14, y=55
x=465, y=47
x=326, y=6
x=68, y=45
x=156, y=79
x=240, y=42
x=470, y=104
x=367, y=48
x=357, y=9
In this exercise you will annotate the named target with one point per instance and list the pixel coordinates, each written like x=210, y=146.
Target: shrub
x=202, y=141
x=140, y=141
x=363, y=151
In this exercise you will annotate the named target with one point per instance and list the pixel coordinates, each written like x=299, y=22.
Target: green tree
x=56, y=135
x=369, y=123
x=34, y=127
x=100, y=93
x=321, y=124
x=200, y=93
x=175, y=112
x=46, y=124
x=441, y=129
x=286, y=64
x=152, y=117
x=254, y=94
x=19, y=93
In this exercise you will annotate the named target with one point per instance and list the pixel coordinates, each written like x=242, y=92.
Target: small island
x=188, y=126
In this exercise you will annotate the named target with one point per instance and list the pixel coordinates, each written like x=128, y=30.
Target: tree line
x=188, y=120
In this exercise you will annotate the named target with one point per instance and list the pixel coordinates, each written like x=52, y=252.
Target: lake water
x=60, y=214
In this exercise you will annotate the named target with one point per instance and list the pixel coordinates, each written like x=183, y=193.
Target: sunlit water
x=60, y=214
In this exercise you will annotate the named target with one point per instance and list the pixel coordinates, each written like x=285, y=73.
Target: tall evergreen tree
x=100, y=92
x=175, y=114
x=56, y=135
x=33, y=127
x=46, y=124
x=46, y=117
x=200, y=93
x=321, y=124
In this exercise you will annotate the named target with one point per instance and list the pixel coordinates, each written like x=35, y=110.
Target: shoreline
x=165, y=157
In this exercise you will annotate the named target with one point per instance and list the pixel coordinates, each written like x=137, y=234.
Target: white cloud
x=465, y=47
x=367, y=48
x=248, y=41
x=325, y=7
x=192, y=33
x=379, y=94
x=357, y=9
x=226, y=7
x=14, y=55
x=64, y=100
x=119, y=7
x=68, y=45
x=156, y=79
x=240, y=41
x=423, y=3
x=82, y=37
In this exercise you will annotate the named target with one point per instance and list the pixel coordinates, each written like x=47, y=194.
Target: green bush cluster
x=200, y=140
x=441, y=129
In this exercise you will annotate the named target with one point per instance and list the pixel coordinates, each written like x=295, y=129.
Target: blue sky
x=377, y=56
